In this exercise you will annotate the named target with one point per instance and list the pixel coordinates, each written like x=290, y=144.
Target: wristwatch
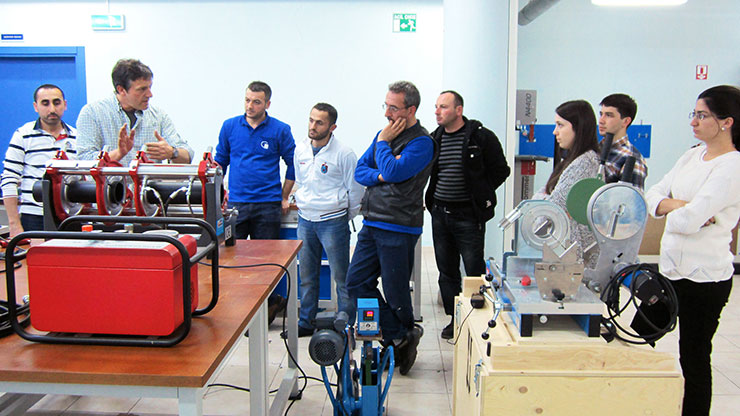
x=175, y=153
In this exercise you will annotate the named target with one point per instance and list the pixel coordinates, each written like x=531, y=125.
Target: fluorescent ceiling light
x=638, y=3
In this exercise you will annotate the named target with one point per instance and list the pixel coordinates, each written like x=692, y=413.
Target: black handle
x=628, y=169
x=606, y=145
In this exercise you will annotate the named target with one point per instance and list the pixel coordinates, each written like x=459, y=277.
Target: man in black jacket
x=461, y=195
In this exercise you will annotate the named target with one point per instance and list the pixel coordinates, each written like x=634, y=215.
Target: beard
x=319, y=137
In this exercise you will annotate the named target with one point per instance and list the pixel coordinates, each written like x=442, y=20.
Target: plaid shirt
x=620, y=151
x=98, y=125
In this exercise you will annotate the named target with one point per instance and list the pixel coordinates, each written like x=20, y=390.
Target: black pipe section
x=628, y=169
x=38, y=191
x=606, y=145
x=83, y=192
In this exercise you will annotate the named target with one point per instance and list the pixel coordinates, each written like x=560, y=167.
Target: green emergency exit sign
x=404, y=22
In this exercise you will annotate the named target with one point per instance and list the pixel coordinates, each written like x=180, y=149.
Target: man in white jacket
x=328, y=197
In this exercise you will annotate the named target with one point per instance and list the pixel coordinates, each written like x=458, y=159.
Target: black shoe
x=304, y=332
x=407, y=350
x=277, y=306
x=449, y=331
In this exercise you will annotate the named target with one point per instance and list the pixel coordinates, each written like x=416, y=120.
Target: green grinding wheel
x=577, y=201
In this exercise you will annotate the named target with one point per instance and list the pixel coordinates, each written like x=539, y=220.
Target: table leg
x=291, y=321
x=190, y=401
x=289, y=385
x=258, y=385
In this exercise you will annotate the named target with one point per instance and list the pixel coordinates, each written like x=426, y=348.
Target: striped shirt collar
x=65, y=127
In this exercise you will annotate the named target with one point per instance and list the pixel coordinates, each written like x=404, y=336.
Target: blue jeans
x=31, y=222
x=456, y=232
x=258, y=221
x=333, y=236
x=390, y=254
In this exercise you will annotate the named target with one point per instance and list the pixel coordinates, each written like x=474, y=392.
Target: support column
x=480, y=41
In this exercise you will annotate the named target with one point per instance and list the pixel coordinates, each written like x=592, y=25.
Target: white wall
x=577, y=50
x=475, y=57
x=204, y=53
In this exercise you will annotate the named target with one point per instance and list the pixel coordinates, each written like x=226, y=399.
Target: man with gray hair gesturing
x=125, y=122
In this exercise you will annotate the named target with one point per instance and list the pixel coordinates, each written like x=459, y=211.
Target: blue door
x=22, y=69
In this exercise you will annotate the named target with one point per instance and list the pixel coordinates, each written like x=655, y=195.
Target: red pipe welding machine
x=114, y=288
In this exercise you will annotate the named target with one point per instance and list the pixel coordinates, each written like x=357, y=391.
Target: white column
x=480, y=63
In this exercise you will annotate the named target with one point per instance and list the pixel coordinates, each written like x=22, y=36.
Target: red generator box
x=109, y=287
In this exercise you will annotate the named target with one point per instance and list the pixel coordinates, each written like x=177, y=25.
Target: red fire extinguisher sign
x=702, y=71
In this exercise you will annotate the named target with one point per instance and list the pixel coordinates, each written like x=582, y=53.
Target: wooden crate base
x=557, y=371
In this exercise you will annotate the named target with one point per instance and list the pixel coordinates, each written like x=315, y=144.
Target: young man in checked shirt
x=617, y=113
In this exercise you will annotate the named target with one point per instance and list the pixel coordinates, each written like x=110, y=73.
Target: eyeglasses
x=392, y=108
x=699, y=115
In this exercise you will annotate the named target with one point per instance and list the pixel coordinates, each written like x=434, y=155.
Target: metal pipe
x=533, y=9
x=171, y=171
x=145, y=169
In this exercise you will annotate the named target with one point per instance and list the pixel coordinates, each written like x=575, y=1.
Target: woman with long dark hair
x=575, y=132
x=700, y=197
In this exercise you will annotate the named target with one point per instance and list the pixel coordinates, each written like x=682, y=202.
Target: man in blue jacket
x=251, y=145
x=395, y=169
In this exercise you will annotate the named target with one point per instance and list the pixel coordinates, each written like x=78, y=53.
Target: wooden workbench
x=181, y=371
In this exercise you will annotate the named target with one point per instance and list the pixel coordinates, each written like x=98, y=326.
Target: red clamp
x=96, y=172
x=56, y=186
x=141, y=157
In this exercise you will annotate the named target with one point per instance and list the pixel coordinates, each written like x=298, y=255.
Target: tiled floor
x=426, y=390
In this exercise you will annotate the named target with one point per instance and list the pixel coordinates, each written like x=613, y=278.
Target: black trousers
x=456, y=232
x=700, y=305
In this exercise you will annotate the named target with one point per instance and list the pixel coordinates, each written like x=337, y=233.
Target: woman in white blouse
x=700, y=197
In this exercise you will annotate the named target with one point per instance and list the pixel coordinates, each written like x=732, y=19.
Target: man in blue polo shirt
x=252, y=145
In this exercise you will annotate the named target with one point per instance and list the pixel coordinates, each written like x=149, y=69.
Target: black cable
x=16, y=265
x=283, y=334
x=240, y=388
x=5, y=325
x=610, y=296
x=318, y=379
x=461, y=324
x=21, y=310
